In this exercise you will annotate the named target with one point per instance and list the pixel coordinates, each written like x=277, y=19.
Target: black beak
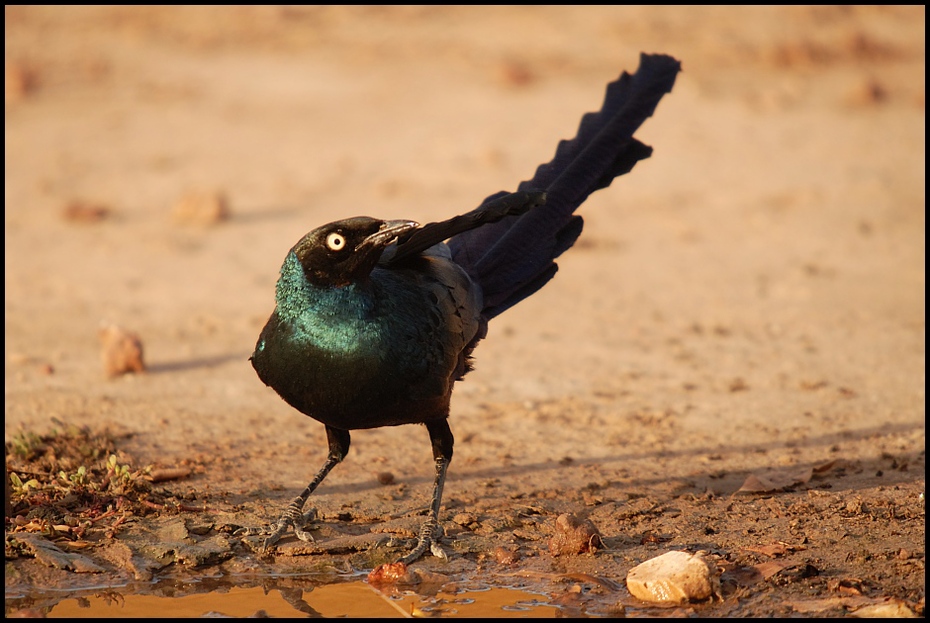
x=388, y=232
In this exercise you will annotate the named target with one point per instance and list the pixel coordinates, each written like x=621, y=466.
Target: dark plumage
x=376, y=320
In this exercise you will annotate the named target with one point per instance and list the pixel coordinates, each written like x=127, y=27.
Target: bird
x=375, y=320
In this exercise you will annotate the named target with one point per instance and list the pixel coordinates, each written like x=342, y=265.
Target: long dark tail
x=513, y=257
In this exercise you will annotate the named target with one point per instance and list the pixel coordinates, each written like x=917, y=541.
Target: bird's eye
x=335, y=241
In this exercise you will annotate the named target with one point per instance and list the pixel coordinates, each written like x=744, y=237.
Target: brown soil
x=750, y=301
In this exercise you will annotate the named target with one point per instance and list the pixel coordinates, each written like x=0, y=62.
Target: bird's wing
x=492, y=210
x=435, y=308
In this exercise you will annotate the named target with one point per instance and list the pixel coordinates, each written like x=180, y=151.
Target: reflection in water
x=352, y=599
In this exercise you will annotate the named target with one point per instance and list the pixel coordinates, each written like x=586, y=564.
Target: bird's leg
x=441, y=438
x=293, y=516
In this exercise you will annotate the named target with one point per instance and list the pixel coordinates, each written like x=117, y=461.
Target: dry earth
x=749, y=299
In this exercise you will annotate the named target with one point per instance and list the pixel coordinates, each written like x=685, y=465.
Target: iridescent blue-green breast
x=376, y=353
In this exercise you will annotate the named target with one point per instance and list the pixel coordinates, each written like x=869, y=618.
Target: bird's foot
x=291, y=518
x=430, y=533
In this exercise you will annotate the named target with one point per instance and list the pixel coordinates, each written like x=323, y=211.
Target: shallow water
x=346, y=599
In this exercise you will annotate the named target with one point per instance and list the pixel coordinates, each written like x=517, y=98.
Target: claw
x=291, y=518
x=303, y=535
x=430, y=534
x=437, y=551
x=276, y=533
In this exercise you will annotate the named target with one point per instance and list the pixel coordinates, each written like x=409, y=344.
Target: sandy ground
x=750, y=298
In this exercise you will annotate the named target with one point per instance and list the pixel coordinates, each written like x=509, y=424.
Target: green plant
x=20, y=487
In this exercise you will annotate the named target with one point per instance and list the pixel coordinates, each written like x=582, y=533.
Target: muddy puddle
x=354, y=598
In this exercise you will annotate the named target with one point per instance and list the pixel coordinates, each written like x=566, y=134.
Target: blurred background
x=767, y=262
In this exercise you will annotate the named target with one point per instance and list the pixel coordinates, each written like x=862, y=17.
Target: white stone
x=674, y=577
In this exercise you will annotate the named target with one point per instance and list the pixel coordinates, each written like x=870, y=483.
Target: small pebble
x=506, y=555
x=391, y=573
x=201, y=208
x=574, y=536
x=867, y=92
x=121, y=351
x=515, y=73
x=21, y=81
x=84, y=212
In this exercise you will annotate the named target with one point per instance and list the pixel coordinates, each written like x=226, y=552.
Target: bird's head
x=346, y=251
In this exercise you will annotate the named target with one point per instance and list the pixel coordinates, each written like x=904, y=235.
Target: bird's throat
x=332, y=318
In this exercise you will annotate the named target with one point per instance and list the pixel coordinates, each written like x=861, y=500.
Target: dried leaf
x=757, y=484
x=77, y=544
x=775, y=481
x=779, y=548
x=770, y=568
x=825, y=467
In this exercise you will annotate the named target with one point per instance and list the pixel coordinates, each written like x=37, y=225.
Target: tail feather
x=513, y=257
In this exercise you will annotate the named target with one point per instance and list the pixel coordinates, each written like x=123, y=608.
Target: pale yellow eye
x=335, y=241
